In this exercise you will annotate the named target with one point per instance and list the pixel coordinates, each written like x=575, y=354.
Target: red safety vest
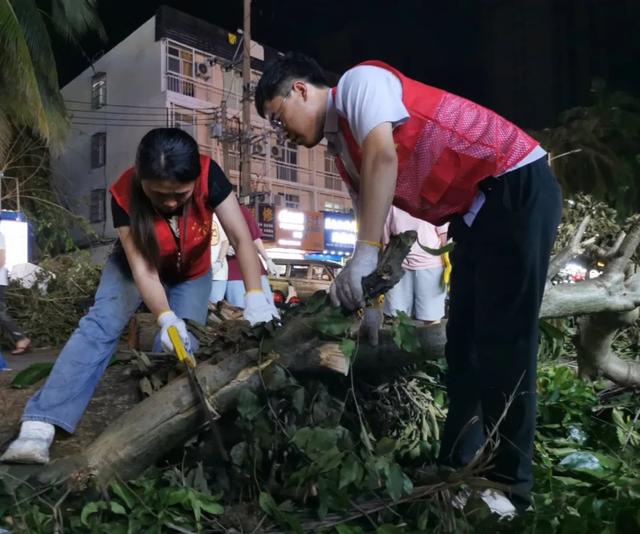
x=191, y=257
x=445, y=148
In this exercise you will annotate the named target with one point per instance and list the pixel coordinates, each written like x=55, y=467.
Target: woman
x=162, y=210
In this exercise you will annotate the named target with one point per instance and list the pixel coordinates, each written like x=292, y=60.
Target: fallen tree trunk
x=169, y=417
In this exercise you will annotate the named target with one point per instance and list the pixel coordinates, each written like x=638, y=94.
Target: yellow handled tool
x=190, y=365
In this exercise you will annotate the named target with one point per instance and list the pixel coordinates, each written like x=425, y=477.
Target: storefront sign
x=299, y=229
x=266, y=221
x=340, y=233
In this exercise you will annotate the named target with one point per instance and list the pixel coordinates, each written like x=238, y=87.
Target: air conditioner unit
x=202, y=71
x=258, y=149
x=277, y=152
x=277, y=200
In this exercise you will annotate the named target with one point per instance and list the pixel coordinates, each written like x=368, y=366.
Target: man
x=421, y=292
x=235, y=293
x=443, y=158
x=219, y=267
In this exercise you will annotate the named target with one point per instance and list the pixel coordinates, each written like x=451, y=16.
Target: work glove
x=271, y=267
x=216, y=266
x=372, y=318
x=258, y=309
x=347, y=287
x=446, y=273
x=167, y=319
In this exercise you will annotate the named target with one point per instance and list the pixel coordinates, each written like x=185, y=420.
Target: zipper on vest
x=183, y=235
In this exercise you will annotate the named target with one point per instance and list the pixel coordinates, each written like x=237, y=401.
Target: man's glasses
x=276, y=123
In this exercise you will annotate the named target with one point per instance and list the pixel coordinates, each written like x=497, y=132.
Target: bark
x=171, y=416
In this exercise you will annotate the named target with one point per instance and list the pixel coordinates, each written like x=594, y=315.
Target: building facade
x=177, y=70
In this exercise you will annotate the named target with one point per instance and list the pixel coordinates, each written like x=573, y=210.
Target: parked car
x=306, y=277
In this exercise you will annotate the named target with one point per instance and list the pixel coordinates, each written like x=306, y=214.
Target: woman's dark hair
x=280, y=73
x=163, y=154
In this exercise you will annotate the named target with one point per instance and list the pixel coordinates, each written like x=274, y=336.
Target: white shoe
x=496, y=500
x=32, y=445
x=498, y=503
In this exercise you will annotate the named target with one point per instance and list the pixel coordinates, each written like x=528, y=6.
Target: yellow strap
x=254, y=291
x=372, y=243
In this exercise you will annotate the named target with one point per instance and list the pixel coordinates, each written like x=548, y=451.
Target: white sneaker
x=498, y=503
x=496, y=500
x=32, y=445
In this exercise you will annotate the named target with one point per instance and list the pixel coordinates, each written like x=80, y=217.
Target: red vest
x=445, y=148
x=192, y=257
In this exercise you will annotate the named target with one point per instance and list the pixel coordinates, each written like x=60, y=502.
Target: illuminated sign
x=300, y=229
x=340, y=233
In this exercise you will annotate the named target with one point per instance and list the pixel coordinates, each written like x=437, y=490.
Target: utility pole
x=224, y=138
x=245, y=135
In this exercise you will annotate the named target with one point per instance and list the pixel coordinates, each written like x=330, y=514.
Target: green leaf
x=385, y=446
x=297, y=399
x=248, y=405
x=267, y=503
x=351, y=471
x=348, y=348
x=32, y=374
x=91, y=508
x=211, y=507
x=437, y=251
x=397, y=482
x=117, y=508
x=122, y=491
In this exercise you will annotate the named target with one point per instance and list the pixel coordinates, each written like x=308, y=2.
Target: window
x=318, y=272
x=98, y=150
x=286, y=156
x=98, y=90
x=232, y=87
x=180, y=66
x=333, y=206
x=330, y=163
x=290, y=201
x=184, y=119
x=299, y=271
x=96, y=205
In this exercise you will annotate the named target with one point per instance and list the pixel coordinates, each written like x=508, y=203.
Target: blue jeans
x=3, y=362
x=236, y=291
x=218, y=289
x=65, y=395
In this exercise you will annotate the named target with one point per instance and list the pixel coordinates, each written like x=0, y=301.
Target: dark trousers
x=499, y=272
x=7, y=323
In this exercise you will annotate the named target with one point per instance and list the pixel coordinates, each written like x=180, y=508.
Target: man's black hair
x=280, y=73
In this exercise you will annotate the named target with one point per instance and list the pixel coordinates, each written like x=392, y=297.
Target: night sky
x=468, y=47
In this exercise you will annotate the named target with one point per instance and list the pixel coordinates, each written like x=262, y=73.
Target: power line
x=121, y=105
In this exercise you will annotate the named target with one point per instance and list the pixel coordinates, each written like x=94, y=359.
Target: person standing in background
x=219, y=266
x=235, y=286
x=421, y=291
x=7, y=323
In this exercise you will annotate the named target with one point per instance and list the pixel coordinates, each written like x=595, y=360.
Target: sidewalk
x=17, y=362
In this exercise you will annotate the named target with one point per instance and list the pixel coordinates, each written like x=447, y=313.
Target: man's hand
x=216, y=266
x=347, y=287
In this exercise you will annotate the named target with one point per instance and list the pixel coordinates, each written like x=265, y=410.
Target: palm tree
x=28, y=77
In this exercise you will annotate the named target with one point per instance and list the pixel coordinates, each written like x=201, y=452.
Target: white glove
x=258, y=309
x=371, y=323
x=347, y=287
x=216, y=266
x=167, y=319
x=271, y=267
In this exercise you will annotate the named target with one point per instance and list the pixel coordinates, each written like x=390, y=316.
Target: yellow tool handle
x=178, y=345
